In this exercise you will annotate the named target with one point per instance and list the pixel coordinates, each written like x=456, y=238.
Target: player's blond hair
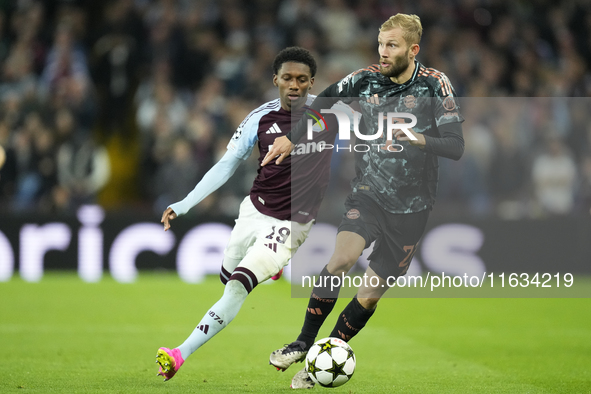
x=410, y=25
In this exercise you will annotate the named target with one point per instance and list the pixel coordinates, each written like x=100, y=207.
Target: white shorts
x=261, y=243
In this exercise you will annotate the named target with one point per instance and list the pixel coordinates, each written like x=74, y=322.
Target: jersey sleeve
x=349, y=86
x=446, y=104
x=245, y=137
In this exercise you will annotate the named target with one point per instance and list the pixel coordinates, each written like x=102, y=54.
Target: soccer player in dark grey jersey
x=269, y=228
x=394, y=189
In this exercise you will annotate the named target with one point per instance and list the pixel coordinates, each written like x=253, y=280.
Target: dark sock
x=351, y=321
x=321, y=303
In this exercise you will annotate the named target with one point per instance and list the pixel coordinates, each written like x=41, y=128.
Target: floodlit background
x=123, y=105
x=110, y=110
x=127, y=103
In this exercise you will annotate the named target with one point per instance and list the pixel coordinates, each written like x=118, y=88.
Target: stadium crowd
x=86, y=86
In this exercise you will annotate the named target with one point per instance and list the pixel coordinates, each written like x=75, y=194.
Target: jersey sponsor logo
x=305, y=148
x=449, y=104
x=316, y=127
x=274, y=129
x=410, y=101
x=353, y=214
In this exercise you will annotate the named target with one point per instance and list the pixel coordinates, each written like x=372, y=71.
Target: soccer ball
x=330, y=362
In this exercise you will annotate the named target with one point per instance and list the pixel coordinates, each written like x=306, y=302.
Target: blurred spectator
x=83, y=166
x=116, y=60
x=18, y=77
x=176, y=177
x=339, y=23
x=4, y=41
x=164, y=101
x=8, y=171
x=183, y=70
x=66, y=59
x=554, y=175
x=2, y=157
x=201, y=132
x=584, y=187
x=36, y=164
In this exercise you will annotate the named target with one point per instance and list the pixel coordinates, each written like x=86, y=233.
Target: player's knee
x=235, y=288
x=341, y=263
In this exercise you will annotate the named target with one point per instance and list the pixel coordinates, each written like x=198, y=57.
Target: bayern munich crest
x=410, y=101
x=353, y=214
x=449, y=104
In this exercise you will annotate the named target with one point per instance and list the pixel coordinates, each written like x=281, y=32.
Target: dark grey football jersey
x=405, y=180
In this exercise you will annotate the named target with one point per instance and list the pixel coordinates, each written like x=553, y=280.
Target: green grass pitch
x=65, y=336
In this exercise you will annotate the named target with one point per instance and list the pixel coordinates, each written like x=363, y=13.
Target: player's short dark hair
x=296, y=55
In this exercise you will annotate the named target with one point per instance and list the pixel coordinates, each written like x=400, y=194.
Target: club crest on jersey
x=274, y=129
x=410, y=101
x=320, y=122
x=449, y=103
x=353, y=214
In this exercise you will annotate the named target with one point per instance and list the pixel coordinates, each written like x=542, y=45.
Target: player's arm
x=450, y=144
x=282, y=146
x=239, y=149
x=211, y=181
x=2, y=156
x=448, y=117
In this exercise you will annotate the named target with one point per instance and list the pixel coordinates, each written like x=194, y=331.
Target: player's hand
x=167, y=216
x=281, y=147
x=401, y=136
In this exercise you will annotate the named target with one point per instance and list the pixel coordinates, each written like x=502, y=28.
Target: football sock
x=217, y=318
x=322, y=301
x=351, y=321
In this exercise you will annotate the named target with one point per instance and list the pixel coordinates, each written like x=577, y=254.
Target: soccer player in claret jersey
x=384, y=206
x=269, y=228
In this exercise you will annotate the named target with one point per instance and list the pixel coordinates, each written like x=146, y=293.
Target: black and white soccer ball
x=330, y=362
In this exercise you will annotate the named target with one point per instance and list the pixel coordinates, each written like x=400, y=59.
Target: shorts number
x=405, y=263
x=283, y=233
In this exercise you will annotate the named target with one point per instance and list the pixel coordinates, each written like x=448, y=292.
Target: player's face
x=293, y=80
x=395, y=53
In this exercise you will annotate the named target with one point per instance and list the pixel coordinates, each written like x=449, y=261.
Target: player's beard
x=399, y=65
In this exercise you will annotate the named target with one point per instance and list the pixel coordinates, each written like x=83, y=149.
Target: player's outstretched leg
x=324, y=296
x=302, y=380
x=216, y=319
x=320, y=305
x=170, y=360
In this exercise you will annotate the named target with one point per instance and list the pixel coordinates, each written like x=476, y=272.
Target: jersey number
x=283, y=234
x=410, y=250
